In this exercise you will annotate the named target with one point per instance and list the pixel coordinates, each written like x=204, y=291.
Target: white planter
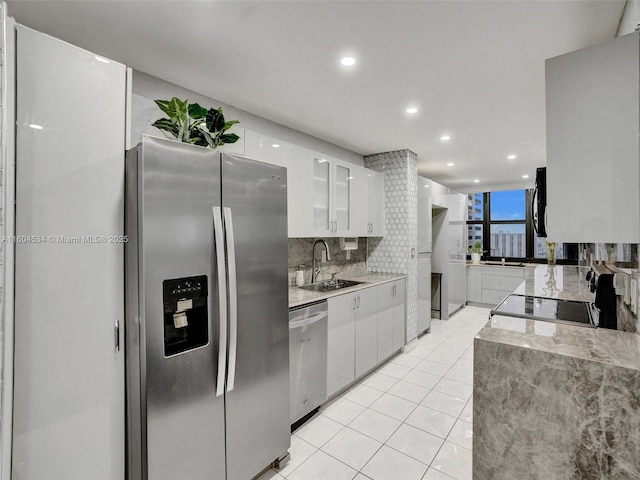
x=475, y=258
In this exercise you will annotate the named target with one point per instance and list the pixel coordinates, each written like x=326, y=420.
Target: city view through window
x=504, y=214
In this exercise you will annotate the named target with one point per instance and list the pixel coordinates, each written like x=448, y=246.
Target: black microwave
x=539, y=202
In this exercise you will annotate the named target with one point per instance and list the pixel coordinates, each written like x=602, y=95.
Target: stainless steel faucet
x=315, y=270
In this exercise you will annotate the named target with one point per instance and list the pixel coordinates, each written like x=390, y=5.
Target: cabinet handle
x=354, y=303
x=394, y=290
x=358, y=301
x=117, y=329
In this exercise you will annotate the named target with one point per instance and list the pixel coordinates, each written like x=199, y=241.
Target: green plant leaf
x=229, y=138
x=215, y=120
x=204, y=134
x=197, y=111
x=186, y=123
x=168, y=125
x=163, y=105
x=230, y=124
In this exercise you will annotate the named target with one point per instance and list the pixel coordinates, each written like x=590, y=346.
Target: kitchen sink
x=330, y=285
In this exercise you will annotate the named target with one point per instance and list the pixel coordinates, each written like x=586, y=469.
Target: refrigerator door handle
x=222, y=300
x=233, y=298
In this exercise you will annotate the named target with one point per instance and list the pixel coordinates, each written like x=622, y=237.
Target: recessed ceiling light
x=476, y=181
x=412, y=110
x=445, y=138
x=35, y=126
x=275, y=145
x=511, y=157
x=102, y=59
x=348, y=61
x=525, y=176
x=450, y=164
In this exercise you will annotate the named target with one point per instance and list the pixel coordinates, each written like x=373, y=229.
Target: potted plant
x=551, y=252
x=476, y=252
x=193, y=123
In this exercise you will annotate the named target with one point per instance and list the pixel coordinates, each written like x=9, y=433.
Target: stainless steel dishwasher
x=307, y=358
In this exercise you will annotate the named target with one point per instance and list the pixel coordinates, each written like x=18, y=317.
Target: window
x=501, y=222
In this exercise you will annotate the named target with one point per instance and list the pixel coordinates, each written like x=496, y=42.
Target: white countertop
x=299, y=296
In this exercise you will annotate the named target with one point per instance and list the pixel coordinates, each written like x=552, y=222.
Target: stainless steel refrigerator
x=207, y=313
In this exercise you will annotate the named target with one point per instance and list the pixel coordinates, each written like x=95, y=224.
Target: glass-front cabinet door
x=321, y=195
x=331, y=197
x=342, y=198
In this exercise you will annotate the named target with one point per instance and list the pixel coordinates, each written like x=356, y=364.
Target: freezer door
x=257, y=400
x=180, y=187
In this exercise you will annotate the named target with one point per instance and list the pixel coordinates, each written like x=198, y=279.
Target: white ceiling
x=475, y=69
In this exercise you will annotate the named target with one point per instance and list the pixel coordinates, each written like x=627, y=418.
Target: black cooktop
x=546, y=309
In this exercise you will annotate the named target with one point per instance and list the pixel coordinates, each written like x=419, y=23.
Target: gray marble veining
x=556, y=281
x=538, y=415
x=555, y=401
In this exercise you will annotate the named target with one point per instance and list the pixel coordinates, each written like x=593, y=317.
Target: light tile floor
x=408, y=420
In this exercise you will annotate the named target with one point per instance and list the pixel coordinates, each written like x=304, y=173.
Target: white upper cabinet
x=367, y=202
x=326, y=197
x=376, y=203
x=439, y=195
x=262, y=147
x=331, y=197
x=300, y=184
x=593, y=169
x=68, y=416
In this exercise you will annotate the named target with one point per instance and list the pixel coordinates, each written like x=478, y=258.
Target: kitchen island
x=553, y=401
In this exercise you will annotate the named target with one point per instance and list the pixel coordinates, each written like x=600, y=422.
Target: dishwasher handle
x=304, y=321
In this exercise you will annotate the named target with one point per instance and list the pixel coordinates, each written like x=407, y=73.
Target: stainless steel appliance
x=555, y=310
x=308, y=358
x=206, y=332
x=539, y=203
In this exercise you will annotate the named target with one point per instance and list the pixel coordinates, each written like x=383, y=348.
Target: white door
x=69, y=376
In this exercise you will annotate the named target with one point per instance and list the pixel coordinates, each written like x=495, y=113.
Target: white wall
x=144, y=111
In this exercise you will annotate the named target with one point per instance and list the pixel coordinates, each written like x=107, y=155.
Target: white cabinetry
x=593, y=119
x=331, y=197
x=352, y=343
x=367, y=202
x=498, y=282
x=68, y=417
x=341, y=342
x=300, y=183
x=474, y=283
x=376, y=203
x=365, y=328
x=391, y=317
x=262, y=147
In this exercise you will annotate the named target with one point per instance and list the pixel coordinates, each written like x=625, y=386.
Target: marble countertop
x=565, y=282
x=485, y=263
x=299, y=296
x=595, y=344
x=611, y=347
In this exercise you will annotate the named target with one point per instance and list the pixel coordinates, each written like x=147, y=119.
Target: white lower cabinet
x=391, y=318
x=365, y=328
x=490, y=285
x=474, y=284
x=341, y=342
